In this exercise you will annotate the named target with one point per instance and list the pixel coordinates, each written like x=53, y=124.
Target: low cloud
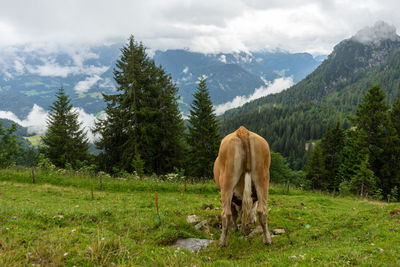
x=380, y=31
x=36, y=121
x=276, y=86
x=85, y=85
x=88, y=122
x=53, y=69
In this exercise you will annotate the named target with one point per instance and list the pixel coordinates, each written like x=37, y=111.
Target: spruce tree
x=10, y=148
x=203, y=137
x=381, y=138
x=332, y=144
x=395, y=115
x=65, y=141
x=363, y=182
x=315, y=169
x=142, y=122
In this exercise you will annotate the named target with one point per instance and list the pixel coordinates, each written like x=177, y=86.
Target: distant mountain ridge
x=32, y=75
x=340, y=81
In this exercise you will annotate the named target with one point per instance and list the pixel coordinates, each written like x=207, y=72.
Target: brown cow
x=242, y=164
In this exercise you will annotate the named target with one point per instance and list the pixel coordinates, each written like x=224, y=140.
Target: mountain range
x=31, y=75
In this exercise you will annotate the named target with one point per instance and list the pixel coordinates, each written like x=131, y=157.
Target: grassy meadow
x=65, y=219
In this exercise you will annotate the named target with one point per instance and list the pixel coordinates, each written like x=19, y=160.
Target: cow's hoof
x=233, y=228
x=222, y=242
x=267, y=241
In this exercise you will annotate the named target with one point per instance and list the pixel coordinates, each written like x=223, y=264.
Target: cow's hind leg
x=262, y=183
x=233, y=226
x=226, y=197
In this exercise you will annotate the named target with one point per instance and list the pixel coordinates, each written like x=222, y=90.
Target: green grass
x=34, y=92
x=35, y=140
x=96, y=95
x=56, y=222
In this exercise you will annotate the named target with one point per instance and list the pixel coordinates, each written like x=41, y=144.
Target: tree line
x=365, y=158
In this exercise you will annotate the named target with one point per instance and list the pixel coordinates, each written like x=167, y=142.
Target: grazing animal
x=241, y=172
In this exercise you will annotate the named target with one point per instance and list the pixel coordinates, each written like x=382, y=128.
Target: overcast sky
x=205, y=25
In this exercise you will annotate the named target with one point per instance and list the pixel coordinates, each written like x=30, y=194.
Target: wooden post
x=362, y=189
x=101, y=182
x=287, y=187
x=33, y=174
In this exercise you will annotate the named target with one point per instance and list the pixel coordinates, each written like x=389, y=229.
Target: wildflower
x=65, y=254
x=91, y=234
x=73, y=230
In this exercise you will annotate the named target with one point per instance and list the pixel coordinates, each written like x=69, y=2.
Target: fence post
x=287, y=187
x=33, y=175
x=101, y=182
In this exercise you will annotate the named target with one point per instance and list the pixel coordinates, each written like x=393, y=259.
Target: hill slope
x=49, y=224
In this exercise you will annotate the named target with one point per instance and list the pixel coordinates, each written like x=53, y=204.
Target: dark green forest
x=290, y=130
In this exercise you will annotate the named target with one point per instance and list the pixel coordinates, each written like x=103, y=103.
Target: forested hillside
x=288, y=129
x=334, y=90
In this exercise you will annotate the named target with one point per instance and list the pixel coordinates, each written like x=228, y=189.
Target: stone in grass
x=278, y=231
x=200, y=224
x=257, y=230
x=192, y=219
x=193, y=244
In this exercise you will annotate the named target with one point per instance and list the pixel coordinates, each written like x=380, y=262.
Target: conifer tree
x=381, y=138
x=203, y=137
x=64, y=141
x=142, y=122
x=363, y=182
x=10, y=148
x=395, y=115
x=332, y=144
x=316, y=171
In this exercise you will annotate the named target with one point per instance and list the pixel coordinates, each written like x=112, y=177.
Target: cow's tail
x=247, y=203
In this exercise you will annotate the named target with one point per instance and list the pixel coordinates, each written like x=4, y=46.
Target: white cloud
x=379, y=31
x=185, y=70
x=204, y=26
x=36, y=121
x=88, y=122
x=222, y=58
x=276, y=86
x=85, y=85
x=51, y=68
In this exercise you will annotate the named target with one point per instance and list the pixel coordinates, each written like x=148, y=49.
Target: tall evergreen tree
x=363, y=182
x=142, y=122
x=381, y=138
x=316, y=171
x=203, y=137
x=395, y=115
x=332, y=144
x=65, y=141
x=354, y=152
